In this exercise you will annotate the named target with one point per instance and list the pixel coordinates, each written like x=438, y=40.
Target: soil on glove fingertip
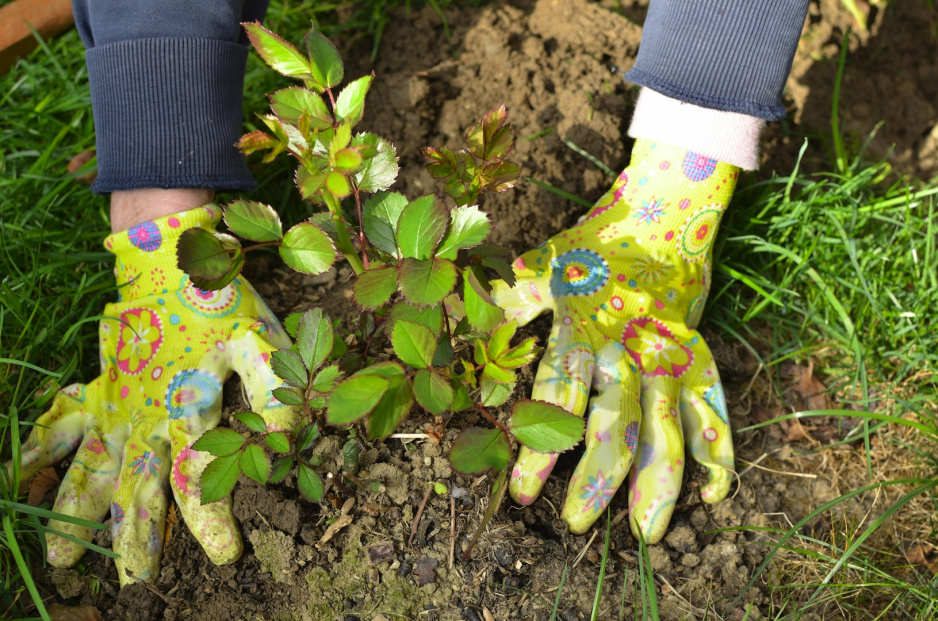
x=557, y=65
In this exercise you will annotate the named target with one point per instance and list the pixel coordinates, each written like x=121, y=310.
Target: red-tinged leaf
x=500, y=176
x=255, y=141
x=310, y=184
x=253, y=220
x=375, y=287
x=212, y=260
x=478, y=450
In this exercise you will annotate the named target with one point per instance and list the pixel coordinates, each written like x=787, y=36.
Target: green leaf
x=293, y=102
x=478, y=450
x=442, y=162
x=287, y=396
x=253, y=220
x=281, y=56
x=545, y=427
x=380, y=215
x=314, y=338
x=432, y=391
x=374, y=287
x=461, y=399
x=255, y=464
x=309, y=484
x=307, y=249
x=306, y=436
x=325, y=379
x=350, y=105
x=500, y=338
x=219, y=442
x=252, y=421
x=427, y=282
x=414, y=344
x=289, y=367
x=431, y=316
x=519, y=356
x=310, y=184
x=278, y=441
x=468, y=226
x=338, y=184
x=280, y=470
x=396, y=403
x=291, y=323
x=502, y=267
x=325, y=61
x=494, y=394
x=421, y=226
x=498, y=374
x=219, y=478
x=481, y=310
x=347, y=160
x=355, y=398
x=212, y=260
x=444, y=352
x=381, y=169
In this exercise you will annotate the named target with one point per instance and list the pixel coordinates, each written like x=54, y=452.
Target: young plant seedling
x=420, y=278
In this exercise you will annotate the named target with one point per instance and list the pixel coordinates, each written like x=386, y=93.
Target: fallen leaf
x=425, y=570
x=78, y=162
x=380, y=552
x=812, y=392
x=926, y=555
x=58, y=612
x=795, y=431
x=44, y=480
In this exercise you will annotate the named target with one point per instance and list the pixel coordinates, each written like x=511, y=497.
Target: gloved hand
x=166, y=349
x=627, y=286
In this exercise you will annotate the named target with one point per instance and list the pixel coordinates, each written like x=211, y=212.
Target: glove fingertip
x=717, y=487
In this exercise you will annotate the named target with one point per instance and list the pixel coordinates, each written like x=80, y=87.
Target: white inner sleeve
x=728, y=137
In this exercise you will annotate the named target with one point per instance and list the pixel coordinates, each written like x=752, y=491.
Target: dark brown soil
x=558, y=65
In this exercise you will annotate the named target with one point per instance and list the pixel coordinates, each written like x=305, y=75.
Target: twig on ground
x=452, y=530
x=416, y=524
x=344, y=520
x=579, y=557
x=166, y=599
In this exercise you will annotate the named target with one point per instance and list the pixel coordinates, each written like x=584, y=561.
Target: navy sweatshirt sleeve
x=166, y=81
x=730, y=55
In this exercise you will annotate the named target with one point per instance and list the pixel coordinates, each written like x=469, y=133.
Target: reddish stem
x=490, y=417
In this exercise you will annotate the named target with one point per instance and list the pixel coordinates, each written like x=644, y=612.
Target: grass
x=839, y=267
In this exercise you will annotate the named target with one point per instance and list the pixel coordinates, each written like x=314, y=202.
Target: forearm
x=166, y=83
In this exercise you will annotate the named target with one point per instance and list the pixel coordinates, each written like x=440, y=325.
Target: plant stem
x=490, y=417
x=361, y=227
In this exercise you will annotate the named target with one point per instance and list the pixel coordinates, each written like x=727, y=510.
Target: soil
x=557, y=65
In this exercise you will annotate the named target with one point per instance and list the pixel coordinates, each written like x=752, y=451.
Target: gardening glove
x=166, y=349
x=627, y=286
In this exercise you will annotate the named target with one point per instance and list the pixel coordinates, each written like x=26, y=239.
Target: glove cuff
x=728, y=137
x=146, y=252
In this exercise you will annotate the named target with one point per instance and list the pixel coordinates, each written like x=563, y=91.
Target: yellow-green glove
x=166, y=349
x=627, y=286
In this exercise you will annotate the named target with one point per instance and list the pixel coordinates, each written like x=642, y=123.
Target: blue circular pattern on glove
x=191, y=392
x=717, y=401
x=146, y=236
x=578, y=272
x=698, y=167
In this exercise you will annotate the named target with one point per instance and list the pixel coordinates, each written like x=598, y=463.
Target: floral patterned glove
x=166, y=349
x=627, y=286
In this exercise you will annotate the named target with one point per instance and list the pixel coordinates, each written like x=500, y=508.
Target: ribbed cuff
x=731, y=55
x=167, y=114
x=724, y=136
